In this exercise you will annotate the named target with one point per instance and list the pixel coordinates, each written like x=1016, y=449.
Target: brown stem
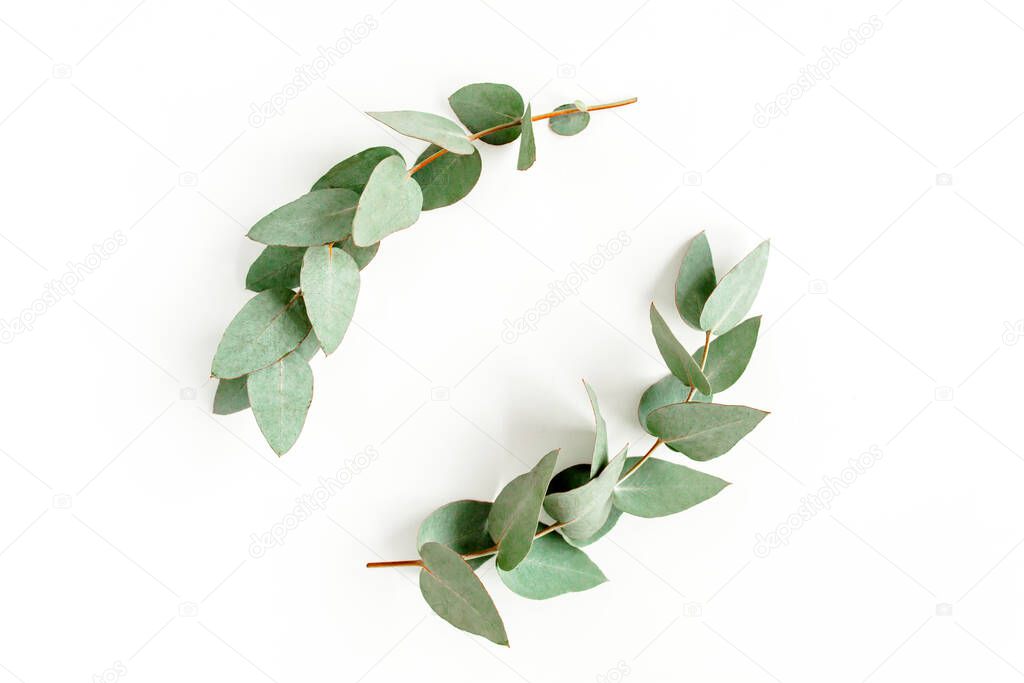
x=512, y=124
x=395, y=563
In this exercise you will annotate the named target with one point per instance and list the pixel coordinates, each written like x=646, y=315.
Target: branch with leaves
x=307, y=277
x=540, y=560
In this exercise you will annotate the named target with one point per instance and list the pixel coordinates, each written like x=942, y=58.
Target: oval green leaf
x=552, y=568
x=461, y=526
x=231, y=396
x=729, y=354
x=660, y=488
x=485, y=105
x=280, y=397
x=735, y=293
x=352, y=173
x=512, y=521
x=527, y=143
x=428, y=127
x=703, y=431
x=270, y=325
x=573, y=477
x=454, y=592
x=695, y=281
x=448, y=179
x=315, y=218
x=584, y=510
x=569, y=124
x=390, y=202
x=330, y=287
x=275, y=268
x=665, y=391
x=676, y=358
x=361, y=255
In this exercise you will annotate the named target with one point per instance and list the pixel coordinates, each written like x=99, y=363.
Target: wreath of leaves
x=540, y=560
x=307, y=277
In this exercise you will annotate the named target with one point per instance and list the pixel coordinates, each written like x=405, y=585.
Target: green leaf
x=703, y=431
x=696, y=280
x=271, y=324
x=513, y=518
x=330, y=286
x=275, y=268
x=361, y=255
x=315, y=218
x=585, y=510
x=527, y=143
x=231, y=396
x=552, y=568
x=485, y=105
x=429, y=127
x=729, y=354
x=665, y=391
x=448, y=179
x=308, y=348
x=454, y=592
x=569, y=124
x=390, y=202
x=735, y=292
x=461, y=526
x=280, y=397
x=676, y=358
x=573, y=477
x=352, y=173
x=660, y=488
x=600, y=457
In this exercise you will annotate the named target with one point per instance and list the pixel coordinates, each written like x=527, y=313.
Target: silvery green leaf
x=352, y=173
x=585, y=510
x=513, y=518
x=231, y=396
x=729, y=354
x=666, y=391
x=676, y=358
x=280, y=397
x=390, y=202
x=454, y=592
x=735, y=292
x=361, y=255
x=573, y=477
x=695, y=281
x=308, y=348
x=428, y=127
x=527, y=143
x=448, y=179
x=600, y=457
x=552, y=568
x=315, y=218
x=271, y=324
x=330, y=286
x=703, y=431
x=275, y=268
x=461, y=526
x=569, y=124
x=658, y=488
x=485, y=105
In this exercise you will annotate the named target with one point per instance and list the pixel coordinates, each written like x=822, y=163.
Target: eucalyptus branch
x=307, y=279
x=542, y=561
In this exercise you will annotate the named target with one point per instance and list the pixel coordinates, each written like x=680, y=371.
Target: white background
x=891, y=308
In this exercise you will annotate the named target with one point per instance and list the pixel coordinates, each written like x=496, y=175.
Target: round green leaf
x=512, y=521
x=352, y=173
x=552, y=568
x=455, y=593
x=665, y=391
x=315, y=218
x=275, y=268
x=485, y=105
x=660, y=488
x=428, y=127
x=330, y=287
x=448, y=179
x=703, y=431
x=461, y=526
x=280, y=397
x=735, y=292
x=569, y=124
x=270, y=325
x=695, y=281
x=390, y=202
